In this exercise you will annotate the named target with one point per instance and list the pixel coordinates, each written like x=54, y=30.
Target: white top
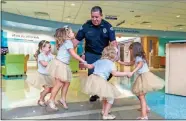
x=104, y=68
x=43, y=57
x=63, y=53
x=144, y=68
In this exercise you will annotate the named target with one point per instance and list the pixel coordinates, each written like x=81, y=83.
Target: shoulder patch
x=81, y=28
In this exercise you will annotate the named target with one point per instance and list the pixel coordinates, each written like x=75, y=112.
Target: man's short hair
x=96, y=9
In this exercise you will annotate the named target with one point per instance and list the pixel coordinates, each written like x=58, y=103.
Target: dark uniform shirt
x=96, y=37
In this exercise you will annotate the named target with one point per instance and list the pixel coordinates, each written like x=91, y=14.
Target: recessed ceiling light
x=72, y=4
x=68, y=19
x=179, y=25
x=178, y=16
x=149, y=26
x=137, y=16
x=145, y=22
x=181, y=28
x=41, y=14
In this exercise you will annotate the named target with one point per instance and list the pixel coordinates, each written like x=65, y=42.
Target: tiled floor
x=125, y=108
x=19, y=100
x=18, y=93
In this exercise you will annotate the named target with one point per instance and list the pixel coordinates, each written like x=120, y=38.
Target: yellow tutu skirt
x=59, y=70
x=96, y=85
x=39, y=80
x=147, y=82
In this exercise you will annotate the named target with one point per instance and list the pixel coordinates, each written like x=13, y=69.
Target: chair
x=74, y=65
x=14, y=65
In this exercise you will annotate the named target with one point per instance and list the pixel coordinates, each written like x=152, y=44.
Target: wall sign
x=123, y=30
x=27, y=36
x=22, y=36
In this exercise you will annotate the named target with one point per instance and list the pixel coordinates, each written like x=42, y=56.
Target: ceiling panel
x=53, y=12
x=57, y=3
x=10, y=10
x=155, y=20
x=70, y=12
x=162, y=14
x=177, y=5
x=119, y=4
x=55, y=18
x=73, y=3
x=166, y=15
x=55, y=7
x=143, y=7
x=14, y=3
x=27, y=12
x=173, y=11
x=93, y=3
x=37, y=2
x=154, y=3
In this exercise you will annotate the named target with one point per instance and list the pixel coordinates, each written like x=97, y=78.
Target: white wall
x=123, y=39
x=26, y=42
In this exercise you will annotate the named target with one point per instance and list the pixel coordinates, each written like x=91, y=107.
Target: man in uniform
x=98, y=33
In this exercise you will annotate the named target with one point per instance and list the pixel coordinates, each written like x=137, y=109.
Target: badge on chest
x=104, y=30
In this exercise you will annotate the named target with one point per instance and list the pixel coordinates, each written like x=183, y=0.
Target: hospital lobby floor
x=125, y=108
x=19, y=100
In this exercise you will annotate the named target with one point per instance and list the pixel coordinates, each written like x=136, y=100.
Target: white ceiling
x=161, y=14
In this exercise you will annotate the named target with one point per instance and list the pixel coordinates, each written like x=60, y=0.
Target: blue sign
x=4, y=42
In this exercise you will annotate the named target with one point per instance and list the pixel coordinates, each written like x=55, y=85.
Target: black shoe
x=93, y=98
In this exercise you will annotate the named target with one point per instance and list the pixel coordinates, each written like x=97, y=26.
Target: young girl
x=42, y=79
x=59, y=67
x=97, y=83
x=145, y=81
x=131, y=64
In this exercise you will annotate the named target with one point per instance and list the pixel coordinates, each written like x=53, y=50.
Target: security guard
x=97, y=33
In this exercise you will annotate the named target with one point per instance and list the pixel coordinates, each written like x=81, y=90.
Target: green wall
x=162, y=44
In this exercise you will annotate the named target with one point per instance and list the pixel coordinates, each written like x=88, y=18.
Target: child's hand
x=119, y=61
x=129, y=74
x=89, y=66
x=84, y=62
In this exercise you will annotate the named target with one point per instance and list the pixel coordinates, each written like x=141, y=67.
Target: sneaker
x=62, y=102
x=109, y=117
x=41, y=103
x=93, y=98
x=52, y=105
x=103, y=112
x=142, y=118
